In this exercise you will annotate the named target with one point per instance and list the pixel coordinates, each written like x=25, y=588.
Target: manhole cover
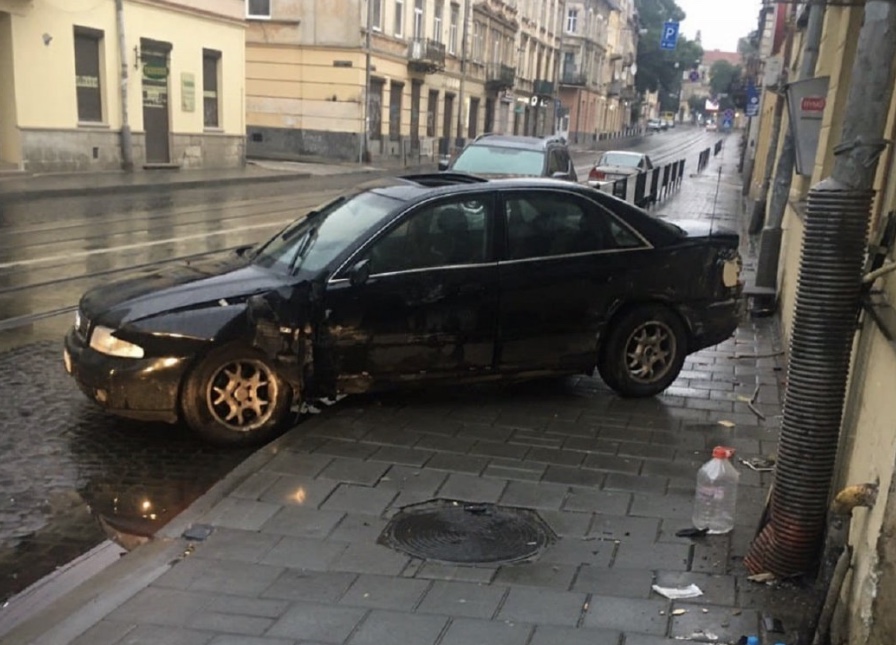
x=467, y=533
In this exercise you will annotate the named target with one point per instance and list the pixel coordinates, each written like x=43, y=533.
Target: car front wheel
x=643, y=352
x=234, y=397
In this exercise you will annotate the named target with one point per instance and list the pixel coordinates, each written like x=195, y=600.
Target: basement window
x=258, y=9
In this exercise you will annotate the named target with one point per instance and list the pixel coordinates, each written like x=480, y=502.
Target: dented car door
x=419, y=301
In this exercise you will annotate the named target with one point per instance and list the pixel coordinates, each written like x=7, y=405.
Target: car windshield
x=619, y=159
x=497, y=160
x=316, y=240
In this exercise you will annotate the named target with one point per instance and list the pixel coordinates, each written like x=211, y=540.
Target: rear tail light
x=596, y=175
x=732, y=265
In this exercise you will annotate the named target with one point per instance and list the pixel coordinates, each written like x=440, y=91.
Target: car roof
x=516, y=141
x=627, y=153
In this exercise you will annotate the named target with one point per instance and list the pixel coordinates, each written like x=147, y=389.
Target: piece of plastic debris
x=678, y=593
x=679, y=612
x=759, y=464
x=726, y=424
x=704, y=610
x=691, y=533
x=762, y=577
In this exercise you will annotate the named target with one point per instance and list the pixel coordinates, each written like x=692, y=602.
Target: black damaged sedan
x=417, y=279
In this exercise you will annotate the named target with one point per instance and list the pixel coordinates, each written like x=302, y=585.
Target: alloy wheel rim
x=241, y=395
x=650, y=351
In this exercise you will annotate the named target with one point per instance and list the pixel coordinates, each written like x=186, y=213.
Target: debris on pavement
x=726, y=424
x=699, y=637
x=678, y=593
x=759, y=464
x=679, y=612
x=762, y=577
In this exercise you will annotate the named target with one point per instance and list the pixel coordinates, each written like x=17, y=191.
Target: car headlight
x=104, y=341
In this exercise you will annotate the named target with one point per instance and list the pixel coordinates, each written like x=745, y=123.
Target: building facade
x=426, y=76
x=867, y=443
x=63, y=98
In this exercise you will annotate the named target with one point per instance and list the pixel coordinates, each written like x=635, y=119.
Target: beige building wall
x=42, y=49
x=10, y=144
x=868, y=442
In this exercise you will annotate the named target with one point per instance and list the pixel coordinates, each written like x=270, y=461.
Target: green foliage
x=727, y=83
x=658, y=69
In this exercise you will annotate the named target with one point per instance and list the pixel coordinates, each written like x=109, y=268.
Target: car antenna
x=715, y=199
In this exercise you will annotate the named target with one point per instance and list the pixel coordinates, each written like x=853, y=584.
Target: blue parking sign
x=670, y=35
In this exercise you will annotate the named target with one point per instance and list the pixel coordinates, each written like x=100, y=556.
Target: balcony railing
x=426, y=55
x=543, y=88
x=614, y=88
x=499, y=76
x=572, y=77
x=628, y=94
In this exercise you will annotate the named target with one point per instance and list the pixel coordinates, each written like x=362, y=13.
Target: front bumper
x=145, y=388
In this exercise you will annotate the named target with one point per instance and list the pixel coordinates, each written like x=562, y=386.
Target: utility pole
x=463, y=74
x=127, y=144
x=365, y=104
x=770, y=241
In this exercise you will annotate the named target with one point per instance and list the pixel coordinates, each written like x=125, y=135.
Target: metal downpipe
x=824, y=325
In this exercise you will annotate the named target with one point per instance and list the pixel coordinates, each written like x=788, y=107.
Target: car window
x=617, y=159
x=555, y=162
x=545, y=223
x=498, y=160
x=453, y=232
x=316, y=240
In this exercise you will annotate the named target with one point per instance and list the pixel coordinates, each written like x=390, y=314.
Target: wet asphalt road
x=70, y=475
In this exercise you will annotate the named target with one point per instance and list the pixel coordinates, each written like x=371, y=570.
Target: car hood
x=184, y=286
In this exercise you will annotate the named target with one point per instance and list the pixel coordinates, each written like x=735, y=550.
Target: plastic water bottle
x=716, y=494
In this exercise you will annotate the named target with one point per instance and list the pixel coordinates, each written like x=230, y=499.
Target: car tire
x=643, y=352
x=234, y=397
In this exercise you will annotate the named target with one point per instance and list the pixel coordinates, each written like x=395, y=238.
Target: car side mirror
x=443, y=164
x=359, y=273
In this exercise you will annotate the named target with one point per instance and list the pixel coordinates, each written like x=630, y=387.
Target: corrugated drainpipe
x=127, y=146
x=827, y=302
x=770, y=241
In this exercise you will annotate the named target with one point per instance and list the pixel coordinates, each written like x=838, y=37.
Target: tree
x=658, y=69
x=727, y=83
x=697, y=104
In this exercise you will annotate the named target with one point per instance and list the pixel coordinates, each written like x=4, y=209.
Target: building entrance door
x=156, y=118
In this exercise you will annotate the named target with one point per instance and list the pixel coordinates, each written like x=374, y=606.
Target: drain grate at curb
x=467, y=533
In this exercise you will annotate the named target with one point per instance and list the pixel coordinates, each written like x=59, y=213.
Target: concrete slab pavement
x=292, y=553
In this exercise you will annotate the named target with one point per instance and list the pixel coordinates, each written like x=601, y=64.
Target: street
x=72, y=474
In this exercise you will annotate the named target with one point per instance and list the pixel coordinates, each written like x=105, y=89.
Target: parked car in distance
x=711, y=126
x=655, y=125
x=422, y=279
x=616, y=164
x=502, y=155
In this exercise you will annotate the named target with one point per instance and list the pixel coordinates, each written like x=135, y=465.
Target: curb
x=117, y=189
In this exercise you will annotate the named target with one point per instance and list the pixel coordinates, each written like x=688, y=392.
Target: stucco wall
x=10, y=145
x=45, y=93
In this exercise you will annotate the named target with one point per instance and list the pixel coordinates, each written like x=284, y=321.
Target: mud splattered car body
x=415, y=279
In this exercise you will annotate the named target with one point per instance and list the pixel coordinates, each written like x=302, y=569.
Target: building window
x=452, y=28
x=473, y=118
x=211, y=61
x=87, y=74
x=376, y=14
x=478, y=40
x=432, y=106
x=258, y=9
x=399, y=18
x=572, y=21
x=418, y=19
x=395, y=91
x=437, y=21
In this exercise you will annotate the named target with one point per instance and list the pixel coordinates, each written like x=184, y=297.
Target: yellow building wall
x=10, y=146
x=763, y=142
x=51, y=103
x=868, y=445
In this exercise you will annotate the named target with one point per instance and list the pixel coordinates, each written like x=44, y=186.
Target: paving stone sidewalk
x=293, y=555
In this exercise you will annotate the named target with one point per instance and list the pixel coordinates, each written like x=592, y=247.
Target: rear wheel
x=644, y=351
x=234, y=397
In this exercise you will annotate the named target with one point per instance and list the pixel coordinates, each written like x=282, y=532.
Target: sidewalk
x=15, y=188
x=285, y=549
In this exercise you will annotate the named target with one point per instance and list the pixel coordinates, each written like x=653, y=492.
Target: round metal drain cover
x=467, y=533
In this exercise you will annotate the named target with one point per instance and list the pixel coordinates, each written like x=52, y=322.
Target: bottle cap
x=752, y=640
x=722, y=452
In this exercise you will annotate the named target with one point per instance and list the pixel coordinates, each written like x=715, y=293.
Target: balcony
x=614, y=88
x=543, y=88
x=426, y=55
x=628, y=94
x=572, y=77
x=499, y=77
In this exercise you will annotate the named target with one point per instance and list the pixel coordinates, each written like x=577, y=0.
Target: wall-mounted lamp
x=47, y=38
